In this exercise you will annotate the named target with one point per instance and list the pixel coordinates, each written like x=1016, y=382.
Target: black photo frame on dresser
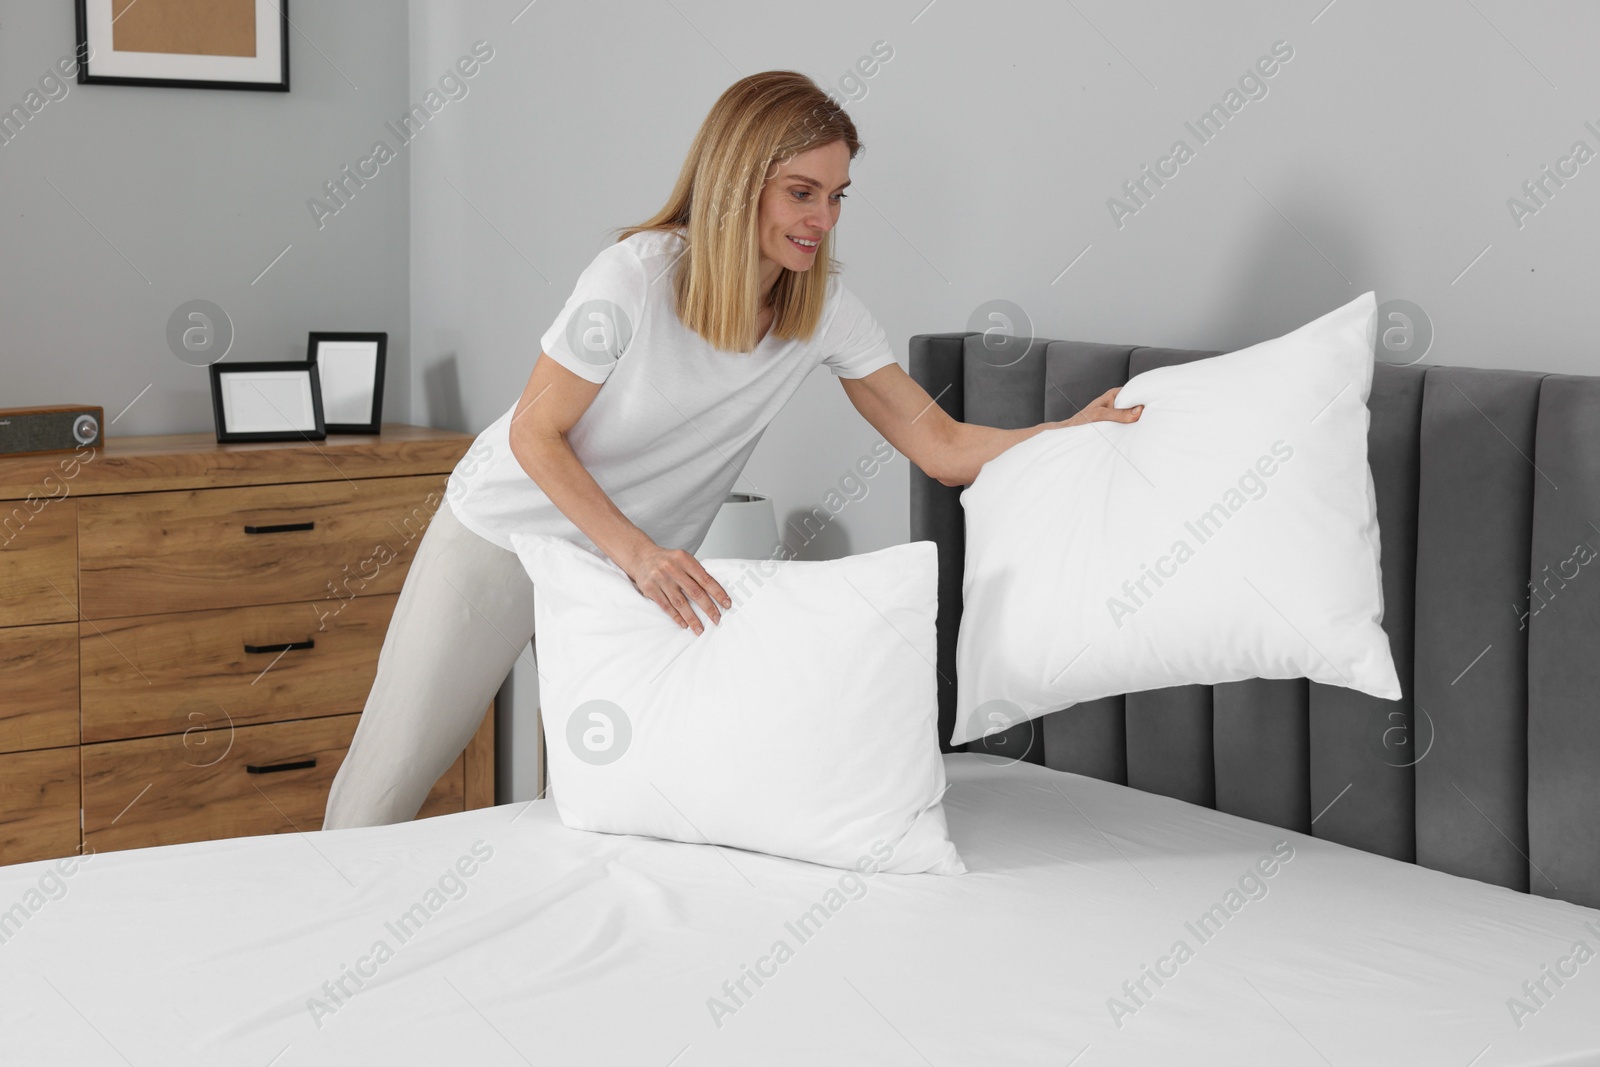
x=350, y=373
x=266, y=401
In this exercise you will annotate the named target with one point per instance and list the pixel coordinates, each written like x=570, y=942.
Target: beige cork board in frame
x=195, y=44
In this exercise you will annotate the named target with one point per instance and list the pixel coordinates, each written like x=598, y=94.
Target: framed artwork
x=350, y=370
x=267, y=401
x=194, y=44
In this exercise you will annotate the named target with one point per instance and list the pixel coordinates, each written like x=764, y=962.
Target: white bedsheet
x=570, y=948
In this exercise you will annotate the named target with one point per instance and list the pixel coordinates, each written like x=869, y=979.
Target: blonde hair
x=756, y=125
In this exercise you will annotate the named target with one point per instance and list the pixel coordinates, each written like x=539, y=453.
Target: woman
x=677, y=347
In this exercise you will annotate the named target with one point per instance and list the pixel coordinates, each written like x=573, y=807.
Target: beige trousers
x=463, y=617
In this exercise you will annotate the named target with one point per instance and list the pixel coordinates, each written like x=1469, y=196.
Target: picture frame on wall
x=266, y=401
x=185, y=44
x=350, y=372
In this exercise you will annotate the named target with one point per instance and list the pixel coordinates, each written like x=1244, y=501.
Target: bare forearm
x=948, y=451
x=969, y=446
x=556, y=470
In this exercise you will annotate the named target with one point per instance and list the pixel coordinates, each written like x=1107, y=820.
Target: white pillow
x=1231, y=532
x=804, y=724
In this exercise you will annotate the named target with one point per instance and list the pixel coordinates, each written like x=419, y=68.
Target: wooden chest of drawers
x=188, y=632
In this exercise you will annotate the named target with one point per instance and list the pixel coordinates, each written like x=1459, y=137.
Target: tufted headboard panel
x=1488, y=488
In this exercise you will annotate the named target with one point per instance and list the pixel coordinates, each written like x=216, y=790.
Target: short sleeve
x=599, y=320
x=856, y=344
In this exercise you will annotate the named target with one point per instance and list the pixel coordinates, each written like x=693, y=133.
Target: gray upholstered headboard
x=1488, y=485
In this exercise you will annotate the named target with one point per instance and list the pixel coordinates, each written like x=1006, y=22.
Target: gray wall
x=121, y=203
x=1381, y=157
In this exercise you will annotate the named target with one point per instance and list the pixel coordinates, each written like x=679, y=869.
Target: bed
x=1259, y=872
x=567, y=947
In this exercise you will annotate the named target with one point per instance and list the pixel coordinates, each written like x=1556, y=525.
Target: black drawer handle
x=274, y=768
x=287, y=646
x=282, y=527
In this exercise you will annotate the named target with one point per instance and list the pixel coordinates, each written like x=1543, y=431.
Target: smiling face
x=800, y=204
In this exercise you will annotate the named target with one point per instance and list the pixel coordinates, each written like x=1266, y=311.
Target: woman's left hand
x=1100, y=409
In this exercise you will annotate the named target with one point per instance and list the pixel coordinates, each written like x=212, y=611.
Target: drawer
x=38, y=805
x=38, y=562
x=199, y=786
x=271, y=544
x=38, y=686
x=167, y=674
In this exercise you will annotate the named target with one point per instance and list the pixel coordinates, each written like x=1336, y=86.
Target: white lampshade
x=745, y=528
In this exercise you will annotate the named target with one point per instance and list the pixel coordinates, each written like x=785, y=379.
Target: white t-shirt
x=675, y=420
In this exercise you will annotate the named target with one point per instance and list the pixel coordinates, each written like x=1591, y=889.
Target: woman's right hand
x=672, y=577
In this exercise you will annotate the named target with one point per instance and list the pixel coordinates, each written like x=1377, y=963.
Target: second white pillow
x=1230, y=533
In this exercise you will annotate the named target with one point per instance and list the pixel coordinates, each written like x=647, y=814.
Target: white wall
x=1382, y=157
x=119, y=203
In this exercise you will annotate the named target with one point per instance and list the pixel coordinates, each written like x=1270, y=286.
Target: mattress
x=1097, y=925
